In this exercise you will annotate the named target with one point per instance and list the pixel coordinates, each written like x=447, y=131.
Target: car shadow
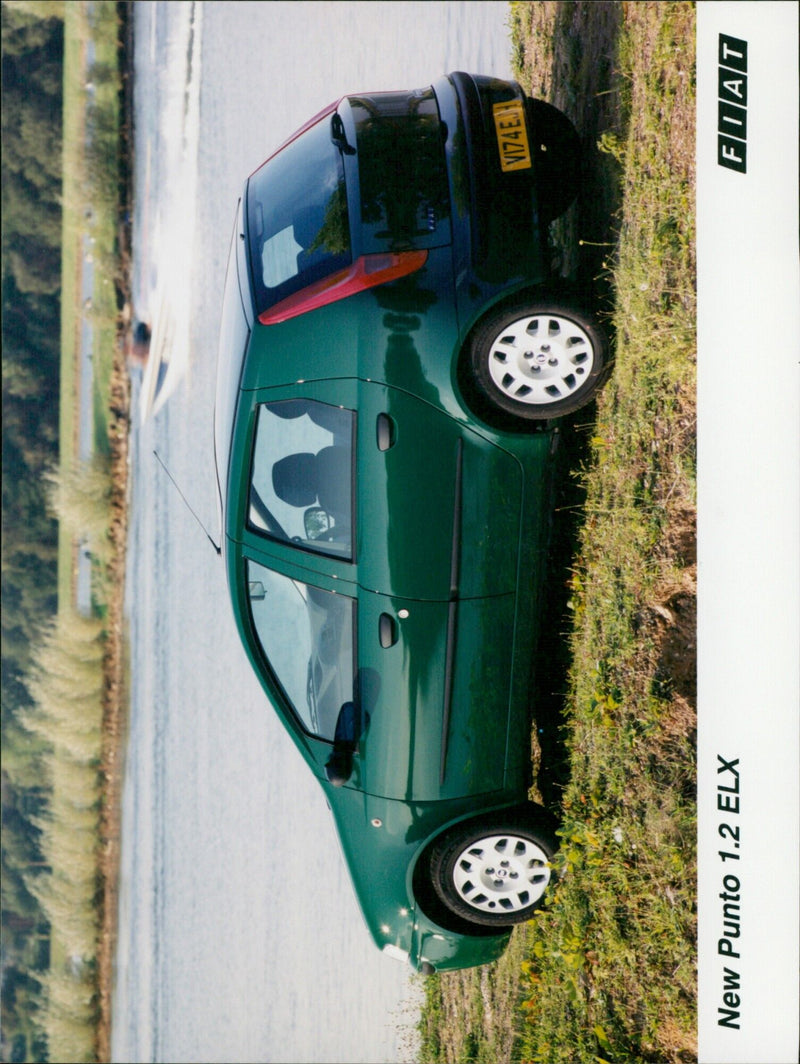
x=553, y=655
x=587, y=87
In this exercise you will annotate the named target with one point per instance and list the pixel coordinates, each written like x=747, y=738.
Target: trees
x=31, y=278
x=32, y=46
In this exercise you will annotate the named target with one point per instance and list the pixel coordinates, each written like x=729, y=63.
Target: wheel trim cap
x=501, y=873
x=541, y=359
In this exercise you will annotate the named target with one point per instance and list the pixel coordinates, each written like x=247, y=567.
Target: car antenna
x=216, y=546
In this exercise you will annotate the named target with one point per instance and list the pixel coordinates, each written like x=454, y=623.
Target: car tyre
x=493, y=873
x=536, y=361
x=557, y=154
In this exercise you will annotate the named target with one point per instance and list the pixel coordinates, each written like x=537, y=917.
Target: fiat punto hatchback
x=394, y=353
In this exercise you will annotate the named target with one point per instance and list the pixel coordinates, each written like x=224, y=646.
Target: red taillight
x=365, y=272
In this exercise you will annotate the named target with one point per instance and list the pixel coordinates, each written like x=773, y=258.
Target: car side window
x=301, y=485
x=308, y=638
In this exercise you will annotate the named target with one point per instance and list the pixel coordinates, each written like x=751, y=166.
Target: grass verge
x=90, y=214
x=607, y=970
x=78, y=684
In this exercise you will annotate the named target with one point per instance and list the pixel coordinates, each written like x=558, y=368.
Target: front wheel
x=492, y=875
x=537, y=361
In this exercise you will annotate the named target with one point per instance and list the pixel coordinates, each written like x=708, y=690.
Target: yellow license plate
x=512, y=137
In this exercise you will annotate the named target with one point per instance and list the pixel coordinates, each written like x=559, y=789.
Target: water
x=240, y=938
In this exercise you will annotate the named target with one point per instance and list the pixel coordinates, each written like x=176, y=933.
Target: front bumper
x=433, y=947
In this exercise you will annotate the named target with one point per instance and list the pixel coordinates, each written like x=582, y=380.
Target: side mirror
x=339, y=767
x=317, y=522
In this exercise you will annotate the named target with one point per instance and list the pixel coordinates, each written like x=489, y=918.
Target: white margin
x=749, y=548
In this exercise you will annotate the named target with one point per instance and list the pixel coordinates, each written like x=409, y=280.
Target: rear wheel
x=493, y=874
x=537, y=361
x=556, y=149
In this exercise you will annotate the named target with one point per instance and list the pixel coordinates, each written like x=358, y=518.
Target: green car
x=394, y=356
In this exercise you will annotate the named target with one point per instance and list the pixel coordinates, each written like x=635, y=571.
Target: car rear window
x=404, y=196
x=301, y=487
x=297, y=221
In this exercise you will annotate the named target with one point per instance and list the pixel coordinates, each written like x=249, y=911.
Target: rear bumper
x=496, y=216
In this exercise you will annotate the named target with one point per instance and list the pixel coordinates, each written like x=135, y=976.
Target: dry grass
x=115, y=702
x=79, y=717
x=613, y=971
x=609, y=970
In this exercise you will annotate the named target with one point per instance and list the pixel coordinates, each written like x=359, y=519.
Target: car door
x=439, y=506
x=433, y=552
x=437, y=688
x=439, y=517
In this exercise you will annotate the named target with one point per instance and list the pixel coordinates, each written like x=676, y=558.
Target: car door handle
x=385, y=431
x=387, y=631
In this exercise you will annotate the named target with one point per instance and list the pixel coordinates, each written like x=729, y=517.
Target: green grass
x=89, y=185
x=613, y=967
x=608, y=968
x=476, y=1015
x=68, y=681
x=73, y=133
x=102, y=175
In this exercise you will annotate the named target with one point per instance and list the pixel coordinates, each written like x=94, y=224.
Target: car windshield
x=301, y=487
x=298, y=229
x=307, y=637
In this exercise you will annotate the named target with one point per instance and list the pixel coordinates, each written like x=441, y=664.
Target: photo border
x=748, y=532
